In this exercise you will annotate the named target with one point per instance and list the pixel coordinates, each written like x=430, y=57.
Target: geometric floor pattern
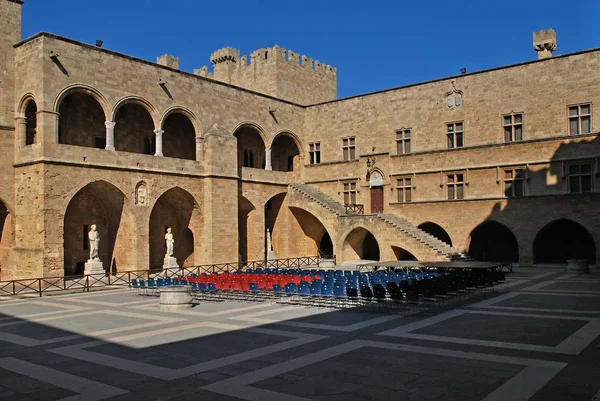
x=540, y=340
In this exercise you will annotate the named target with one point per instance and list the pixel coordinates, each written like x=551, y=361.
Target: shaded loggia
x=81, y=121
x=493, y=241
x=562, y=240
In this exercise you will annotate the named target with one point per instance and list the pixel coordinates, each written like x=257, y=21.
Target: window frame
x=515, y=171
x=579, y=117
x=455, y=184
x=350, y=192
x=513, y=126
x=454, y=134
x=580, y=176
x=349, y=148
x=314, y=153
x=404, y=188
x=403, y=138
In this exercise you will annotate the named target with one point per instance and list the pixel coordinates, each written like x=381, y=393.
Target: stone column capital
x=110, y=124
x=158, y=132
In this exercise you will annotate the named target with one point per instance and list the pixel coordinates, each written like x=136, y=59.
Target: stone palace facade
x=501, y=164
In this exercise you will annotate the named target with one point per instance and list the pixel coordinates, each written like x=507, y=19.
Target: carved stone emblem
x=141, y=194
x=454, y=97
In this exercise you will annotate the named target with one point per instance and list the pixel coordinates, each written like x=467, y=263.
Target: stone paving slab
x=536, y=342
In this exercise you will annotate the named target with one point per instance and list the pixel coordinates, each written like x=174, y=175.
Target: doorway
x=376, y=199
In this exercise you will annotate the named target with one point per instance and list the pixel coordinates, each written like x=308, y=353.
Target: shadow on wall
x=567, y=230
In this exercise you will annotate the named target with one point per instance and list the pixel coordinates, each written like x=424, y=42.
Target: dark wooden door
x=377, y=200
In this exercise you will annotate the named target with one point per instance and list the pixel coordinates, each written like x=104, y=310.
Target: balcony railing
x=355, y=209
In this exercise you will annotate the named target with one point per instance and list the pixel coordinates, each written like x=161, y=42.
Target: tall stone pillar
x=110, y=135
x=21, y=123
x=268, y=165
x=159, y=142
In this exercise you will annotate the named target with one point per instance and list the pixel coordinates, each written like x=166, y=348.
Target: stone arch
x=30, y=113
x=186, y=112
x=285, y=151
x=377, y=175
x=437, y=231
x=249, y=246
x=105, y=205
x=135, y=122
x=179, y=137
x=403, y=254
x=26, y=98
x=360, y=244
x=251, y=145
x=85, y=89
x=82, y=117
x=493, y=241
x=178, y=209
x=152, y=111
x=561, y=240
x=315, y=234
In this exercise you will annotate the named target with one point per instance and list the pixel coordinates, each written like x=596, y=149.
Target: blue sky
x=374, y=44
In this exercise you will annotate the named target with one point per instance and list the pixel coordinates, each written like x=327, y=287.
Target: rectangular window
x=514, y=182
x=454, y=133
x=513, y=127
x=580, y=178
x=404, y=187
x=456, y=186
x=580, y=119
x=314, y=151
x=403, y=141
x=349, y=147
x=349, y=193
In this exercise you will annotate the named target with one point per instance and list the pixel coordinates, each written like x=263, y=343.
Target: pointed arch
x=292, y=136
x=186, y=112
x=82, y=113
x=561, y=240
x=101, y=203
x=178, y=209
x=25, y=99
x=360, y=244
x=179, y=134
x=285, y=151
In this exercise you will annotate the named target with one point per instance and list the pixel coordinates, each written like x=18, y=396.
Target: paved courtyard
x=538, y=341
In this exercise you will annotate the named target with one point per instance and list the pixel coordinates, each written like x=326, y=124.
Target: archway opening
x=179, y=138
x=134, y=130
x=31, y=123
x=562, y=240
x=275, y=224
x=493, y=241
x=402, y=254
x=361, y=244
x=246, y=215
x=81, y=121
x=104, y=205
x=326, y=246
x=314, y=239
x=176, y=209
x=250, y=147
x=284, y=153
x=437, y=231
x=7, y=233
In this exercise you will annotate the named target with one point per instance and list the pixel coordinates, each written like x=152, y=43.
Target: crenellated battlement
x=275, y=71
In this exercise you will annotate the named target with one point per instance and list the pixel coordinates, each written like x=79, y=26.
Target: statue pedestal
x=271, y=255
x=94, y=267
x=170, y=263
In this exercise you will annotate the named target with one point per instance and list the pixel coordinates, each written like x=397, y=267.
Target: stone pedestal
x=170, y=263
x=271, y=255
x=578, y=266
x=176, y=297
x=93, y=267
x=327, y=263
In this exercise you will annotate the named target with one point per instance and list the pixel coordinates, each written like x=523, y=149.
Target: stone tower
x=276, y=72
x=10, y=34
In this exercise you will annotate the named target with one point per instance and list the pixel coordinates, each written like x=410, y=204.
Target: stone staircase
x=434, y=243
x=320, y=198
x=442, y=248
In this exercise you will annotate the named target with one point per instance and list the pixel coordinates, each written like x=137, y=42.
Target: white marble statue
x=269, y=247
x=94, y=238
x=170, y=242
